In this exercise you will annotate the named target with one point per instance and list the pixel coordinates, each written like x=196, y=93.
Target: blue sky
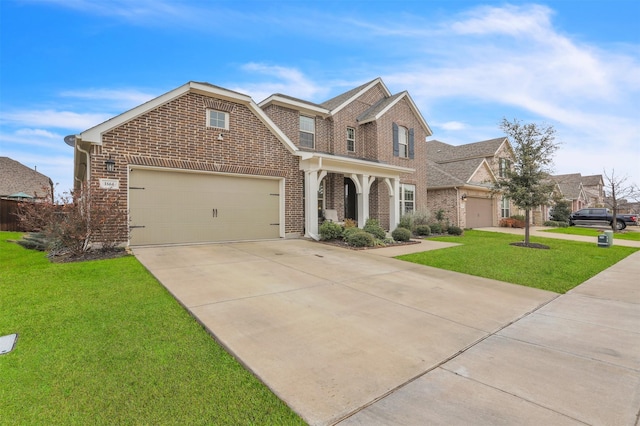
x=67, y=65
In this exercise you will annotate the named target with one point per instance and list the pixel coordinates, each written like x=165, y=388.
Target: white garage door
x=479, y=212
x=177, y=207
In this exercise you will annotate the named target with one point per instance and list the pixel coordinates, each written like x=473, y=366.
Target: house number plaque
x=109, y=184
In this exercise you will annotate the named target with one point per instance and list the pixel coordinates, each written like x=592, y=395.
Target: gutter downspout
x=88, y=162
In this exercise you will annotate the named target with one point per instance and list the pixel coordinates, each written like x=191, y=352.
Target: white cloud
x=119, y=98
x=54, y=119
x=292, y=82
x=451, y=125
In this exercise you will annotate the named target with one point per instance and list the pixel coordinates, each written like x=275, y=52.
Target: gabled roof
x=458, y=173
x=16, y=178
x=592, y=180
x=94, y=134
x=441, y=152
x=295, y=103
x=571, y=177
x=381, y=107
x=337, y=103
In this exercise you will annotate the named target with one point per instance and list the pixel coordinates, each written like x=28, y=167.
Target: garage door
x=479, y=212
x=176, y=207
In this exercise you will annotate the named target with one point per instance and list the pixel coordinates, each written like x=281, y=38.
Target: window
x=218, y=119
x=504, y=207
x=407, y=198
x=504, y=165
x=307, y=131
x=351, y=139
x=402, y=141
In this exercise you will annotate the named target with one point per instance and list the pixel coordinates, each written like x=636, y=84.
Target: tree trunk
x=526, y=227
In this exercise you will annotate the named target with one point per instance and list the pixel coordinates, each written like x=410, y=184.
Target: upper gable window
x=402, y=141
x=351, y=139
x=307, y=131
x=504, y=165
x=218, y=119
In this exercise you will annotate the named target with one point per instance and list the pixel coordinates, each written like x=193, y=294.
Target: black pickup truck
x=600, y=216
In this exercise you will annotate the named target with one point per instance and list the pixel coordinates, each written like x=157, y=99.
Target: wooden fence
x=8, y=218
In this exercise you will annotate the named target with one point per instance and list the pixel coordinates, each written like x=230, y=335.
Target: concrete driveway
x=357, y=337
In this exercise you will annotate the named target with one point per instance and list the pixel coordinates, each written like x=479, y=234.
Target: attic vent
x=219, y=105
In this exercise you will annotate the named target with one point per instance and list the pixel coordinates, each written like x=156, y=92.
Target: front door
x=350, y=200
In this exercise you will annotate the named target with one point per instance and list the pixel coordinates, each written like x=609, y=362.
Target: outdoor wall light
x=464, y=197
x=110, y=164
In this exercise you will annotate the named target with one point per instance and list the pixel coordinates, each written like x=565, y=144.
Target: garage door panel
x=178, y=207
x=479, y=212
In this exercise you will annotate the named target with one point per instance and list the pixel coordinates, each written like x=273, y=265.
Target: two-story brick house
x=202, y=163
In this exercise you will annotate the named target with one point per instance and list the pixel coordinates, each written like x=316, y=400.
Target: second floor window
x=218, y=119
x=504, y=165
x=402, y=141
x=307, y=131
x=351, y=139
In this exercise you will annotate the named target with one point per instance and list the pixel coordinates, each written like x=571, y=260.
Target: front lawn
x=102, y=342
x=594, y=232
x=488, y=254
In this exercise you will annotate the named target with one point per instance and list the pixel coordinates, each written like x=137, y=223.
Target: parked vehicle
x=601, y=216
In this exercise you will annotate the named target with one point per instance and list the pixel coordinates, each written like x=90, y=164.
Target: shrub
x=373, y=227
x=350, y=223
x=406, y=221
x=561, y=211
x=421, y=217
x=360, y=238
x=330, y=230
x=76, y=222
x=401, y=234
x=506, y=223
x=348, y=231
x=518, y=217
x=454, y=230
x=34, y=241
x=436, y=228
x=423, y=230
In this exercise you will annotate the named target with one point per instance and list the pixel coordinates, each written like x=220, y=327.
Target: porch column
x=311, y=204
x=363, y=185
x=394, y=202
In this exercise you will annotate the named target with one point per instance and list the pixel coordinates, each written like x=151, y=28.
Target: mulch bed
x=343, y=244
x=90, y=255
x=530, y=245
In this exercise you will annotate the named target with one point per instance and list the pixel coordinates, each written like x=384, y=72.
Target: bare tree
x=527, y=183
x=618, y=190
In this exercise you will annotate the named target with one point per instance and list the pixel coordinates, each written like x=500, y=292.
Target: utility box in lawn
x=605, y=239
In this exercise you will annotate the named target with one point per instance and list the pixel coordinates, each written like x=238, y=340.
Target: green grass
x=488, y=254
x=591, y=232
x=102, y=342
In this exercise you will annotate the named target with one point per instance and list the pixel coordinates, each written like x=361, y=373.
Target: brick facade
x=175, y=135
x=171, y=133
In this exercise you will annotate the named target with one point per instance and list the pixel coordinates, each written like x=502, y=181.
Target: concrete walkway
x=356, y=337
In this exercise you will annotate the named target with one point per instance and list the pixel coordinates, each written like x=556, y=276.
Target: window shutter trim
x=411, y=150
x=396, y=145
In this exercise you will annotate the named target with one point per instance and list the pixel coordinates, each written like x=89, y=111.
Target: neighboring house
x=20, y=182
x=594, y=189
x=572, y=189
x=202, y=163
x=460, y=181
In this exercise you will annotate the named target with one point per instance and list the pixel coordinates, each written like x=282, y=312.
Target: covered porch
x=362, y=174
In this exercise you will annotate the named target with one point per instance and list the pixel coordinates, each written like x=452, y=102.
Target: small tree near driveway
x=527, y=182
x=618, y=190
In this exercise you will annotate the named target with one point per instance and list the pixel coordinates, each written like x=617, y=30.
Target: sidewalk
x=538, y=231
x=575, y=360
